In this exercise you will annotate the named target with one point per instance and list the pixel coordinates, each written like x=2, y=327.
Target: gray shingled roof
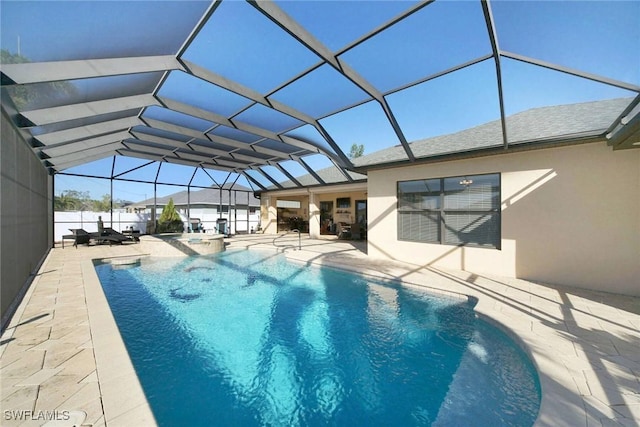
x=208, y=196
x=538, y=124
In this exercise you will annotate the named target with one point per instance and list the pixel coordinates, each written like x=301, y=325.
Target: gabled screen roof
x=280, y=91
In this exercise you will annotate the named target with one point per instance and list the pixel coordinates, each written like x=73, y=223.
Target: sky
x=598, y=37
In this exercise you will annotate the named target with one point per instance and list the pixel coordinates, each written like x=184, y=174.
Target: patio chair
x=79, y=237
x=356, y=231
x=133, y=234
x=344, y=230
x=112, y=236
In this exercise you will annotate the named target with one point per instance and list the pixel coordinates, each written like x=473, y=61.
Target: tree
x=170, y=221
x=30, y=96
x=63, y=203
x=103, y=205
x=357, y=150
x=72, y=200
x=19, y=93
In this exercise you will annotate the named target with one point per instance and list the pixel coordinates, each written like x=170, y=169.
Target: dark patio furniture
x=79, y=237
x=356, y=231
x=134, y=234
x=344, y=230
x=108, y=235
x=111, y=236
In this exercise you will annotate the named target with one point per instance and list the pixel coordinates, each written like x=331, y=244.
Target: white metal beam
x=88, y=109
x=170, y=127
x=83, y=132
x=39, y=72
x=62, y=150
x=142, y=137
x=89, y=152
x=82, y=161
x=140, y=155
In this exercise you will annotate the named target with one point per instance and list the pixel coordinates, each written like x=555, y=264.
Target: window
x=462, y=210
x=289, y=204
x=343, y=202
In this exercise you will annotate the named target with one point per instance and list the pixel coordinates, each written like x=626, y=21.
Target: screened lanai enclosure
x=148, y=98
x=274, y=94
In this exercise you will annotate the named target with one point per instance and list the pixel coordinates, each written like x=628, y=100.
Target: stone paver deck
x=61, y=356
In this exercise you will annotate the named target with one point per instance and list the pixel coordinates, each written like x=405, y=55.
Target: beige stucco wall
x=570, y=216
x=326, y=195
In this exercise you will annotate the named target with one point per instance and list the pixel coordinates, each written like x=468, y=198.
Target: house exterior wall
x=26, y=214
x=569, y=216
x=348, y=214
x=310, y=205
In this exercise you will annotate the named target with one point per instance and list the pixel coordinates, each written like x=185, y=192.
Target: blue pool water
x=247, y=338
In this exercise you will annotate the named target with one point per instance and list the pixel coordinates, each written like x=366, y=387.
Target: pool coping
x=123, y=400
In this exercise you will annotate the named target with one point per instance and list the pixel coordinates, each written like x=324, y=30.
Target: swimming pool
x=249, y=338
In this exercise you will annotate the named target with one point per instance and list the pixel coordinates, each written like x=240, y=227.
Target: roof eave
x=514, y=147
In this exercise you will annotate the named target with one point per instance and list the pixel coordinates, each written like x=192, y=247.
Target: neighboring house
x=559, y=205
x=203, y=208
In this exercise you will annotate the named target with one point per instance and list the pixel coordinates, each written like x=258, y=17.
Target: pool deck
x=61, y=356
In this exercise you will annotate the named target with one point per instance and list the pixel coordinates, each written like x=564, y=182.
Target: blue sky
x=599, y=37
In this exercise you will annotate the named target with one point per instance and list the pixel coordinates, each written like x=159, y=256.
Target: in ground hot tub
x=179, y=244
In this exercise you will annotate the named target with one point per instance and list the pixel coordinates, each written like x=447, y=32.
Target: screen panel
x=436, y=38
x=339, y=23
x=238, y=40
x=461, y=100
x=321, y=92
x=592, y=36
x=196, y=92
x=177, y=118
x=266, y=118
x=101, y=29
x=365, y=125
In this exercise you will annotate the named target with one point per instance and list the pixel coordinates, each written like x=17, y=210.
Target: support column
x=111, y=205
x=229, y=215
x=155, y=207
x=269, y=215
x=51, y=213
x=314, y=216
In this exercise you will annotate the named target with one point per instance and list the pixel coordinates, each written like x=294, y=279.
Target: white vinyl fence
x=237, y=222
x=64, y=221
